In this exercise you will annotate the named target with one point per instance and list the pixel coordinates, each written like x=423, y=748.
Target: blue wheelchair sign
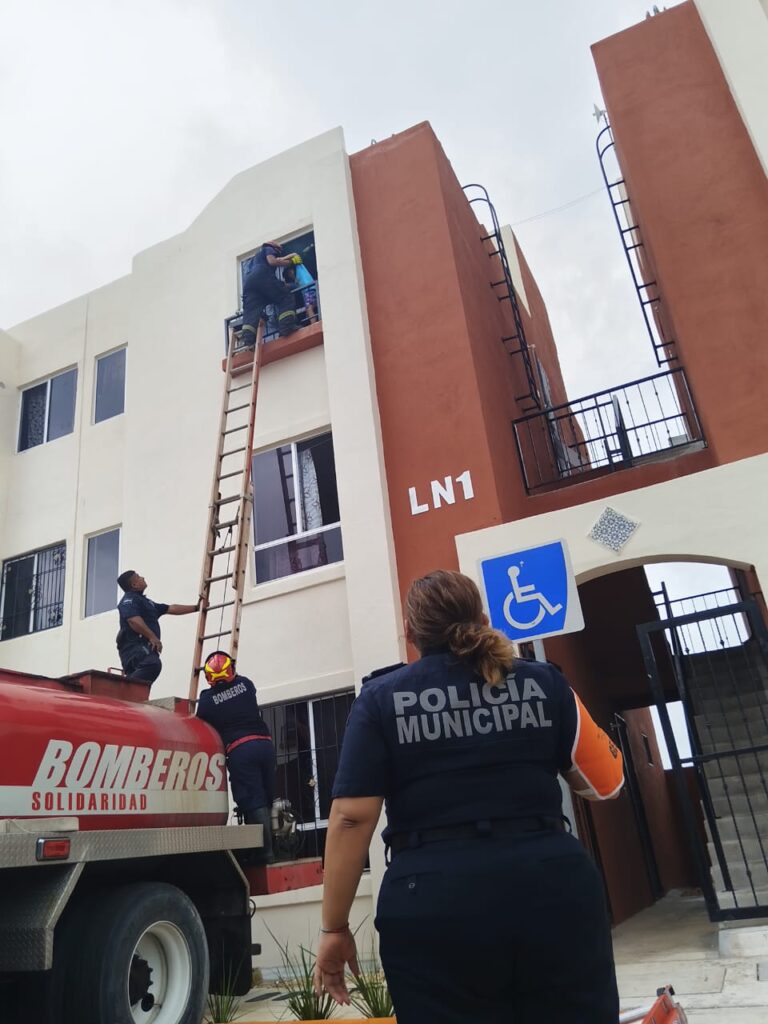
x=532, y=594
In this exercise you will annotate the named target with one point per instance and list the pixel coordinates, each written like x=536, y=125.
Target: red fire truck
x=121, y=898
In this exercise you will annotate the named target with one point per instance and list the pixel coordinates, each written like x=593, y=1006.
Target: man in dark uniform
x=231, y=707
x=489, y=911
x=138, y=641
x=262, y=287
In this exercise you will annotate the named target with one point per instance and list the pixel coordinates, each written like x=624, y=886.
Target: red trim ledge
x=281, y=348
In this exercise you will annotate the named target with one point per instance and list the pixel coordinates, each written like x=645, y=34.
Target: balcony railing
x=307, y=312
x=645, y=420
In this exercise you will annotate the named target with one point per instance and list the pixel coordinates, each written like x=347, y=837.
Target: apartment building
x=421, y=420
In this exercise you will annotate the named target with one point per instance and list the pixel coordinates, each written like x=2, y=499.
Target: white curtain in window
x=35, y=401
x=310, y=496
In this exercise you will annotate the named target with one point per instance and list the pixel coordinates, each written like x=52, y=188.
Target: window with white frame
x=302, y=283
x=307, y=735
x=295, y=508
x=101, y=570
x=32, y=592
x=110, y=386
x=48, y=410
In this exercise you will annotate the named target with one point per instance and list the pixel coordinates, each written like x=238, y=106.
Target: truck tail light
x=52, y=849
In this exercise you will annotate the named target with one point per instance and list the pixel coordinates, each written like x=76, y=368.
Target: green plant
x=297, y=978
x=222, y=1007
x=370, y=995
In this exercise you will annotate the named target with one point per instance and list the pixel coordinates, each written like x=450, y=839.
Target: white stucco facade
x=149, y=470
x=738, y=31
x=730, y=529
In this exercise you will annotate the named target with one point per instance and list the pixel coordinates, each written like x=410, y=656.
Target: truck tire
x=137, y=955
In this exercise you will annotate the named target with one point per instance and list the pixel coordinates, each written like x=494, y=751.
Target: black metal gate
x=715, y=662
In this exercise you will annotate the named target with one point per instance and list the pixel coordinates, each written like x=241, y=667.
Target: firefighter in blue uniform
x=262, y=287
x=489, y=909
x=138, y=640
x=231, y=707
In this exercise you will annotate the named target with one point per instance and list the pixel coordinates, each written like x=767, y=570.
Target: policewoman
x=489, y=909
x=231, y=707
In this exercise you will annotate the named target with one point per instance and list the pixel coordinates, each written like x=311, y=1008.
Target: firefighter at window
x=138, y=641
x=489, y=910
x=262, y=287
x=231, y=707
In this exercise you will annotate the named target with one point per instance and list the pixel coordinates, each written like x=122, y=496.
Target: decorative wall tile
x=613, y=529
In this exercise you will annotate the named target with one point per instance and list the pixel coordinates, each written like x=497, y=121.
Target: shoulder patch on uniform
x=382, y=672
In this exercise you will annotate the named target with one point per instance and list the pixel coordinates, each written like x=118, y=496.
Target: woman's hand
x=334, y=952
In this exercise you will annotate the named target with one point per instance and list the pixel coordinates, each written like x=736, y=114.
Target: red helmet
x=219, y=668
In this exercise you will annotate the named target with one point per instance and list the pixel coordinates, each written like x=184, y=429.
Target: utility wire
x=557, y=209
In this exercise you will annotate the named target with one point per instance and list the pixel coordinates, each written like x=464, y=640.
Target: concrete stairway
x=730, y=703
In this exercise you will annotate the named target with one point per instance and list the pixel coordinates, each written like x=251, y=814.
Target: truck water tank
x=110, y=763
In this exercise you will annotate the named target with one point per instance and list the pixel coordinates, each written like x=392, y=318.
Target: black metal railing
x=32, y=592
x=609, y=430
x=710, y=634
x=307, y=736
x=646, y=285
x=307, y=299
x=724, y=690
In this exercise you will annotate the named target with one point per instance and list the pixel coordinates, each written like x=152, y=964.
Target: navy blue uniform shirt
x=233, y=710
x=259, y=260
x=443, y=749
x=135, y=604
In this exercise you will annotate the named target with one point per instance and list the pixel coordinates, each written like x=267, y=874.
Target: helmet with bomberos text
x=219, y=668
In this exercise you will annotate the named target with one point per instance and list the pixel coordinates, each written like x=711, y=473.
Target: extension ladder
x=665, y=1010
x=225, y=557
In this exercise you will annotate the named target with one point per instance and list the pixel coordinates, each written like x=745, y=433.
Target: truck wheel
x=138, y=956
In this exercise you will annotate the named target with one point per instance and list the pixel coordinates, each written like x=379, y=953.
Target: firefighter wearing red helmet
x=231, y=707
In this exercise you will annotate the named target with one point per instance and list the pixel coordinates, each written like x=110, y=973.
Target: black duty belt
x=474, y=830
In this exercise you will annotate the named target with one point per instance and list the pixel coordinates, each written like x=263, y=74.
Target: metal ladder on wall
x=532, y=397
x=648, y=293
x=225, y=557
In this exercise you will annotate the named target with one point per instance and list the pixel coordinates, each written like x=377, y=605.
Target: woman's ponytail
x=444, y=608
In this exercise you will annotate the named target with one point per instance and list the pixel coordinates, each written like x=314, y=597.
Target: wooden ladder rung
x=234, y=541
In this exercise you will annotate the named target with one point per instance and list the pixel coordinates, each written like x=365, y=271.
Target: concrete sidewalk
x=675, y=943
x=672, y=943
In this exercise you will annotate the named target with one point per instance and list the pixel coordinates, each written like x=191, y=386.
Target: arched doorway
x=694, y=811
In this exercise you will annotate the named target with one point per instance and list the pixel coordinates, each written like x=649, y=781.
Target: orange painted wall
x=672, y=848
x=445, y=384
x=605, y=666
x=701, y=198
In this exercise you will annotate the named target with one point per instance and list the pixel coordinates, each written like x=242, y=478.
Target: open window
x=48, y=410
x=303, y=284
x=296, y=518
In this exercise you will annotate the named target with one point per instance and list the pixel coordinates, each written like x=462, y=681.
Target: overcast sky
x=121, y=119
